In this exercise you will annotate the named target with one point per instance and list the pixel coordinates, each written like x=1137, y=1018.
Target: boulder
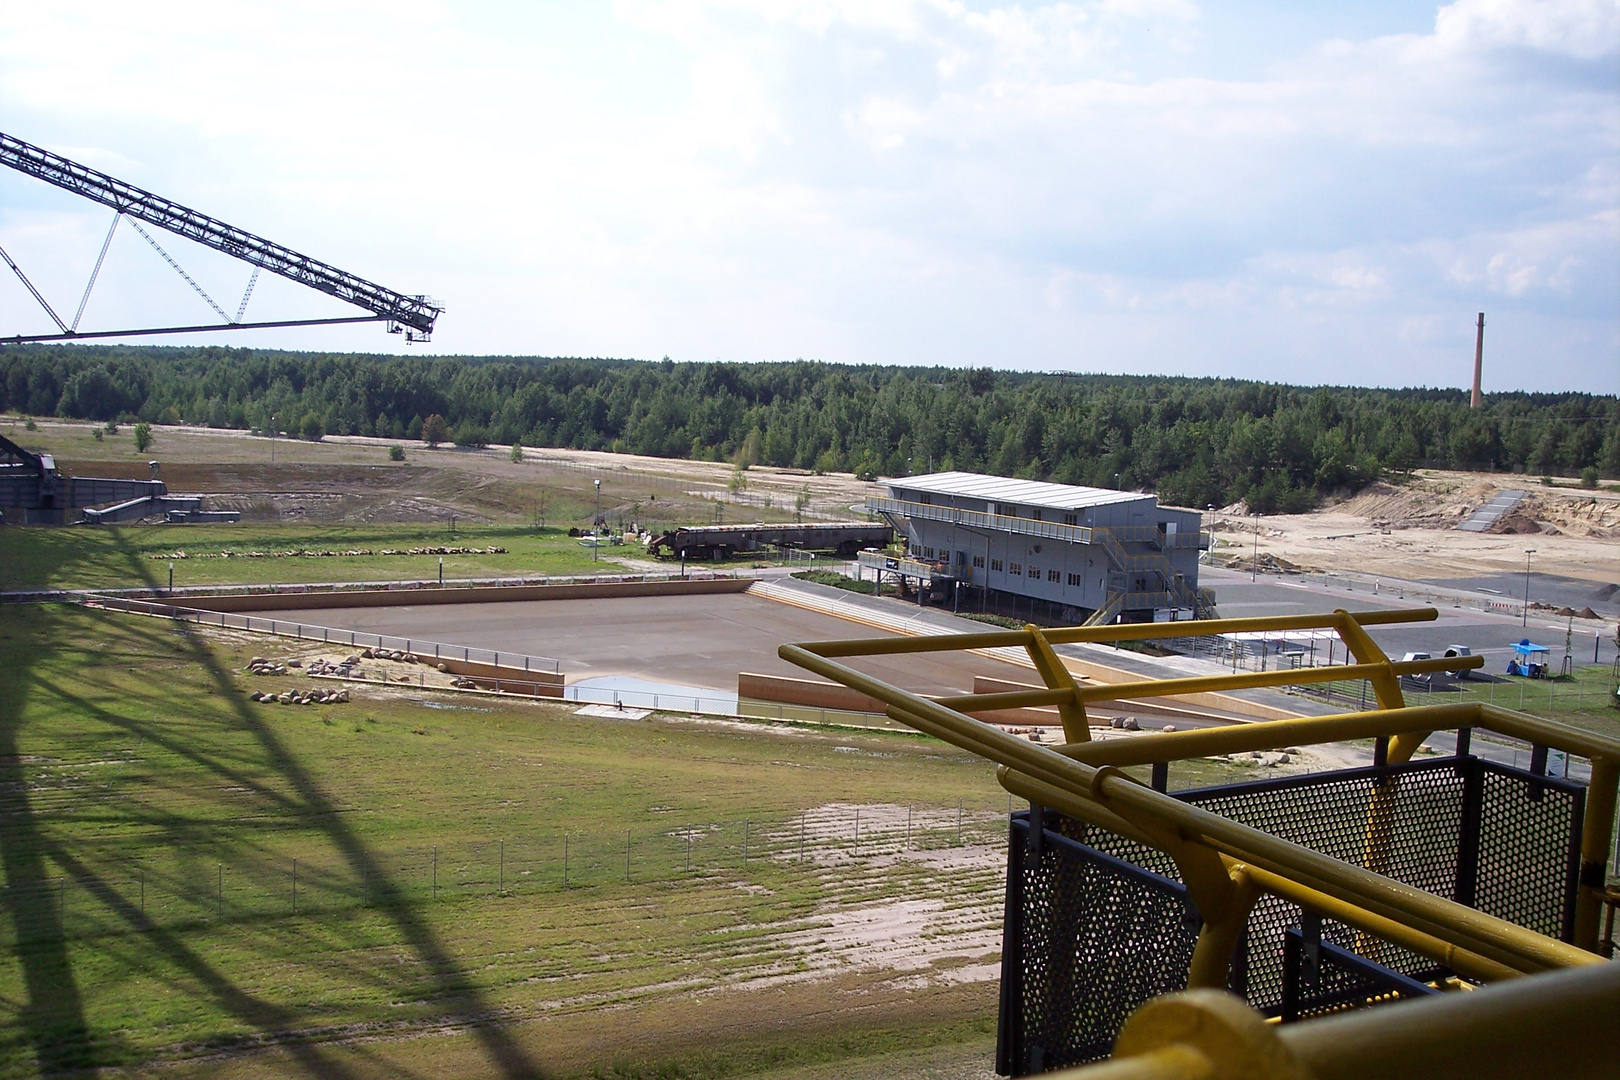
x=1130, y=724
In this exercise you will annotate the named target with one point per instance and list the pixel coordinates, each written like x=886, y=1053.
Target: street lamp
x=273, y=426
x=1255, y=575
x=597, y=524
x=1116, y=481
x=1525, y=619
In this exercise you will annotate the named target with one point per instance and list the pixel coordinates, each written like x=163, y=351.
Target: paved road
x=1486, y=633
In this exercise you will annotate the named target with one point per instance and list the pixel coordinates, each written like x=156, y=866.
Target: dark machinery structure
x=412, y=315
x=34, y=492
x=721, y=541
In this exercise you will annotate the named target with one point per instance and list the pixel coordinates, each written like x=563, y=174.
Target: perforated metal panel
x=1097, y=924
x=1320, y=978
x=1096, y=937
x=1529, y=849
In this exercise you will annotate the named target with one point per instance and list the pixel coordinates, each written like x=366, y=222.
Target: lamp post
x=1525, y=618
x=273, y=426
x=1255, y=575
x=1116, y=481
x=171, y=579
x=596, y=537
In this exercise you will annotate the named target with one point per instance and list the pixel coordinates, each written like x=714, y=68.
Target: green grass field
x=150, y=816
x=139, y=556
x=1581, y=700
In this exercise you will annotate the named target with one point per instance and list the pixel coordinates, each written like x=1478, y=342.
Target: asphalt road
x=1487, y=634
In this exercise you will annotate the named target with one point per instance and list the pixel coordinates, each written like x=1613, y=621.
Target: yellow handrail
x=1081, y=778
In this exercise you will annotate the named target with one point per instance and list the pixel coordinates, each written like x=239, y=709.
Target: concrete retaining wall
x=296, y=601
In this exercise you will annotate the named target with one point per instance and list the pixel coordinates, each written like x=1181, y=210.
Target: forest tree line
x=1195, y=442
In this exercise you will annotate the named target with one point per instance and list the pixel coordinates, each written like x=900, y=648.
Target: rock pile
x=260, y=666
x=391, y=654
x=347, y=668
x=302, y=697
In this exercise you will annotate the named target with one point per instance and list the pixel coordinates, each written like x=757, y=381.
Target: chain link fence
x=176, y=888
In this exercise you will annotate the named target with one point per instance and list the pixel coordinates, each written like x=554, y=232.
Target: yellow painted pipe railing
x=1223, y=862
x=1560, y=1024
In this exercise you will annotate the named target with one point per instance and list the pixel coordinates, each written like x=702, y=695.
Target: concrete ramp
x=1487, y=515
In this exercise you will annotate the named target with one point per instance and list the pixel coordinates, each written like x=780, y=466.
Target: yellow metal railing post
x=1057, y=677
x=1595, y=831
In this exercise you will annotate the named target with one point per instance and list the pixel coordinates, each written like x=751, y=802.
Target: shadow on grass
x=53, y=1018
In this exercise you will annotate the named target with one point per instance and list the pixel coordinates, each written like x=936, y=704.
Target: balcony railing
x=976, y=519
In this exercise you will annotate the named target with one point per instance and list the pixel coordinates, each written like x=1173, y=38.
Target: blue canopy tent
x=1529, y=660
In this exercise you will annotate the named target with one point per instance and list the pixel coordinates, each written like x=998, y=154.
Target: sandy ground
x=478, y=483
x=1410, y=531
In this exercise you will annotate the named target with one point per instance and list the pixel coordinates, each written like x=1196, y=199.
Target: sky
x=1301, y=192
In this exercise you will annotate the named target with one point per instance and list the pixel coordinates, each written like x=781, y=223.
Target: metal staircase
x=1171, y=589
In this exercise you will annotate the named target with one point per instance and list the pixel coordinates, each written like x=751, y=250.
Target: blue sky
x=1299, y=192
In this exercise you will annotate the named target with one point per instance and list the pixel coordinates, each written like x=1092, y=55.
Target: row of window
x=1053, y=576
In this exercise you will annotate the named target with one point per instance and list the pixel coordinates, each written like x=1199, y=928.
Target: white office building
x=1076, y=554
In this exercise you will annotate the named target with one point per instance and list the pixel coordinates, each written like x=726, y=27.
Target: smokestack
x=1479, y=362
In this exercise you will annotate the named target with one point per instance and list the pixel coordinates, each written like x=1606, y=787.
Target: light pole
x=1255, y=575
x=171, y=579
x=1116, y=481
x=596, y=537
x=272, y=440
x=1525, y=619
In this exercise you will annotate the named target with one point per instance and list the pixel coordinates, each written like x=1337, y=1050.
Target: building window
x=1074, y=579
x=928, y=553
x=1071, y=519
x=1036, y=514
x=1054, y=575
x=978, y=561
x=995, y=564
x=1034, y=571
x=1015, y=568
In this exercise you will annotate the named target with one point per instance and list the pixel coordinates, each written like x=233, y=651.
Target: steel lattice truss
x=413, y=315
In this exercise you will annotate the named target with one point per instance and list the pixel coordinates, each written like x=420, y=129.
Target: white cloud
x=1582, y=28
x=1042, y=185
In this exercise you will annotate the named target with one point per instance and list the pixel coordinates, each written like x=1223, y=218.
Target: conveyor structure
x=412, y=315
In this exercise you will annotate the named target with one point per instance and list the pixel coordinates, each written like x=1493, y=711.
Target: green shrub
x=1589, y=477
x=396, y=453
x=143, y=437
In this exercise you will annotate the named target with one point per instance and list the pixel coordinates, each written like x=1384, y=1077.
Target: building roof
x=1006, y=490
